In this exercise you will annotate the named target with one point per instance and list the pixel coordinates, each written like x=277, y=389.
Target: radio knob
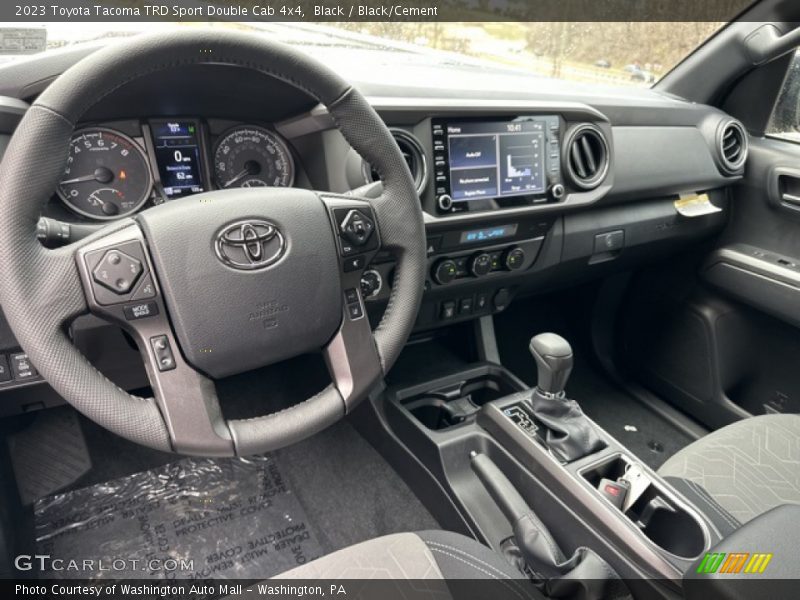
x=480, y=264
x=514, y=258
x=445, y=202
x=445, y=271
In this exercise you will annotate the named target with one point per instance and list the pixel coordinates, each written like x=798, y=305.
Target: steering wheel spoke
x=121, y=286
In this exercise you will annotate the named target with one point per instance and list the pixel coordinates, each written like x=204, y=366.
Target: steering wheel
x=216, y=283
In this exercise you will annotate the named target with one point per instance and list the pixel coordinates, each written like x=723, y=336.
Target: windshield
x=609, y=53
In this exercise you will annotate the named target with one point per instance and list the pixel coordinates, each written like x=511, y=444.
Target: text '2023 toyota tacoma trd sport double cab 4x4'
x=468, y=303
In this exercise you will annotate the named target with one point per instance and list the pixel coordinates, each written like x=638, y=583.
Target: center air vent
x=414, y=156
x=587, y=157
x=732, y=146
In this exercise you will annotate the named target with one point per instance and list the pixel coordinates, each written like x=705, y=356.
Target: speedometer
x=107, y=175
x=250, y=156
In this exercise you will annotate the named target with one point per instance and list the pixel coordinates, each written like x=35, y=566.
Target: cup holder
x=454, y=402
x=657, y=512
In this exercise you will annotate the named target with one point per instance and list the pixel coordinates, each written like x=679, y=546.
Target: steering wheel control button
x=22, y=367
x=145, y=290
x=351, y=295
x=142, y=310
x=356, y=263
x=357, y=228
x=162, y=351
x=117, y=272
x=354, y=311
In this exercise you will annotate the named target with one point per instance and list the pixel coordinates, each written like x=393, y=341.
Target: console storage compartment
x=658, y=513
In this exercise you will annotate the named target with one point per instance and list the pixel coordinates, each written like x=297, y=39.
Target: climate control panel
x=479, y=264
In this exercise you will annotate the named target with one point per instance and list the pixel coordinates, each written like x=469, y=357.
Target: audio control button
x=445, y=202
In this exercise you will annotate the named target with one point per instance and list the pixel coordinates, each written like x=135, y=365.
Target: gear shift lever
x=570, y=435
x=553, y=356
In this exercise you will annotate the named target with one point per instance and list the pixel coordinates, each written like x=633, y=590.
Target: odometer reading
x=107, y=175
x=251, y=156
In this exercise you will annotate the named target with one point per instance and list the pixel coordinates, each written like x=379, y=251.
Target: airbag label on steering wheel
x=192, y=519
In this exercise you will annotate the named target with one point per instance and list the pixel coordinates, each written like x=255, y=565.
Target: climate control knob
x=445, y=271
x=514, y=258
x=480, y=264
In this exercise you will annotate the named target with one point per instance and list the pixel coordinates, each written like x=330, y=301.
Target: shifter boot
x=570, y=435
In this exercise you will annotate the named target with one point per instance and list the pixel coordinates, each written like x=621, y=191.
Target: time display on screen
x=488, y=234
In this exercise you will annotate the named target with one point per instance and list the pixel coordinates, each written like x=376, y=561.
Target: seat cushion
x=742, y=470
x=428, y=555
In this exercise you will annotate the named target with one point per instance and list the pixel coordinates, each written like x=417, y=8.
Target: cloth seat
x=740, y=471
x=428, y=555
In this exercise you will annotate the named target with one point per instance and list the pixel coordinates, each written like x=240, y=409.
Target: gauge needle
x=250, y=168
x=101, y=175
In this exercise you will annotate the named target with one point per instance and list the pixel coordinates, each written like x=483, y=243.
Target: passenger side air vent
x=413, y=155
x=732, y=146
x=587, y=157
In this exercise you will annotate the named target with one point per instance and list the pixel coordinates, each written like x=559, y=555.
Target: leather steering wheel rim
x=42, y=291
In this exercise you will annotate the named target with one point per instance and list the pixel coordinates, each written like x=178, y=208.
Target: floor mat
x=195, y=518
x=49, y=455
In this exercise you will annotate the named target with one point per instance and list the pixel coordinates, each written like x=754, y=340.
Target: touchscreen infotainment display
x=492, y=160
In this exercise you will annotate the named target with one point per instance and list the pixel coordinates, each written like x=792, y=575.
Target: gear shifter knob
x=553, y=356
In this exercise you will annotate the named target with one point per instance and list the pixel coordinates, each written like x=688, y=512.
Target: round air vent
x=587, y=157
x=732, y=146
x=414, y=156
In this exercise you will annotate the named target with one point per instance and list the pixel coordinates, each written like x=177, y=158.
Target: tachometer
x=250, y=156
x=107, y=175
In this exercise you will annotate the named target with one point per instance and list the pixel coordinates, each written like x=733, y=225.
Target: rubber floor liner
x=49, y=455
x=194, y=519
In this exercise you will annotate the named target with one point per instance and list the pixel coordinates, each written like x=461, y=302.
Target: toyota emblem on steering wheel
x=250, y=245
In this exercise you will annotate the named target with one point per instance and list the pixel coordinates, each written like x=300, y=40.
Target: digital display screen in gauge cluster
x=176, y=144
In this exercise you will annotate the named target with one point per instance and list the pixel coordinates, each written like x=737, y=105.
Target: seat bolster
x=746, y=468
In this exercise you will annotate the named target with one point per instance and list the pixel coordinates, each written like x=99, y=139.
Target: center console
x=485, y=414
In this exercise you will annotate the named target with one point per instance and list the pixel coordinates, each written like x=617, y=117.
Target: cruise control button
x=141, y=310
x=117, y=271
x=22, y=367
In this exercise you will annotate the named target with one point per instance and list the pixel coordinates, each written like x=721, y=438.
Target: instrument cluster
x=114, y=171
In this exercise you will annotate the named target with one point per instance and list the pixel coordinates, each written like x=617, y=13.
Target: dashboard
x=115, y=169
x=523, y=190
